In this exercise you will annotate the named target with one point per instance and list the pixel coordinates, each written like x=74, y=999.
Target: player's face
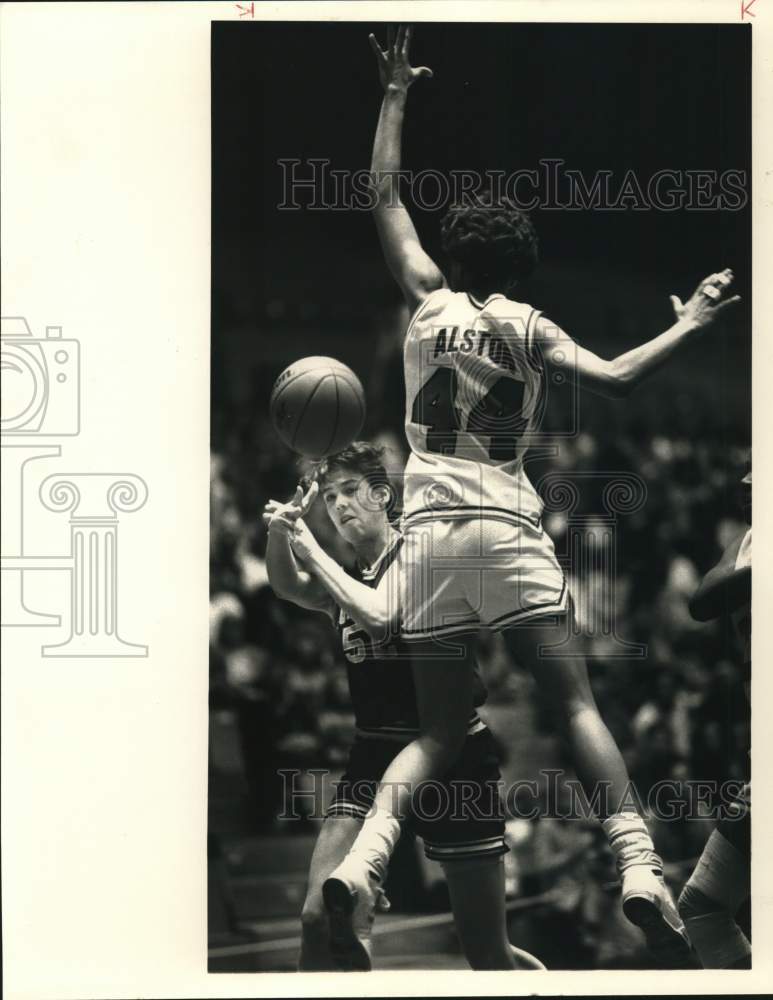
x=351, y=506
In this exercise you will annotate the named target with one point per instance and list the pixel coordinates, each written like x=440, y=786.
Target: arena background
x=292, y=283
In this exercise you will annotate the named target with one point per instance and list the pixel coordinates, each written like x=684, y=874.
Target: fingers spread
x=381, y=56
x=310, y=497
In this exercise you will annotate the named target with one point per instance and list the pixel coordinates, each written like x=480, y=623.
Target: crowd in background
x=278, y=688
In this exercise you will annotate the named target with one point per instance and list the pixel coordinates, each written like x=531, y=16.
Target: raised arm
x=414, y=271
x=375, y=609
x=619, y=377
x=288, y=579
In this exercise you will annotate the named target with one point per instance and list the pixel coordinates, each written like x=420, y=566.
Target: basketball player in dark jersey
x=721, y=881
x=476, y=362
x=461, y=821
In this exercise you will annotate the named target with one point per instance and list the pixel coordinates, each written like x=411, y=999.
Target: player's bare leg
x=477, y=890
x=353, y=891
x=337, y=835
x=563, y=682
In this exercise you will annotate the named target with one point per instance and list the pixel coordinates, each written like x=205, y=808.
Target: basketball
x=317, y=406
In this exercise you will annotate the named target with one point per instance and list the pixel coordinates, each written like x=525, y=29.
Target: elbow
x=377, y=625
x=620, y=383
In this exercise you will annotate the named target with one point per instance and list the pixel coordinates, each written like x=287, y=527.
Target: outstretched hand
x=282, y=516
x=708, y=301
x=394, y=69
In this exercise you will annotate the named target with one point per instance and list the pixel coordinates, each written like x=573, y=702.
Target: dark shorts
x=458, y=818
x=736, y=825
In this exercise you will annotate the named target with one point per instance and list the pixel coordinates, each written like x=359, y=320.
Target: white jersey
x=474, y=392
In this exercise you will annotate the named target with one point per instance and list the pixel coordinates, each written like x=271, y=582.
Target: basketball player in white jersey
x=475, y=555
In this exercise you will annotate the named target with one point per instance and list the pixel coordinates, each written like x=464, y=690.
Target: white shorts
x=462, y=575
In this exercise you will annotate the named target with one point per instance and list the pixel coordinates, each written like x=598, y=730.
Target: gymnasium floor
x=264, y=888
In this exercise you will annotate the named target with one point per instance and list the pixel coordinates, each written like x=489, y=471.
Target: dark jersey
x=380, y=672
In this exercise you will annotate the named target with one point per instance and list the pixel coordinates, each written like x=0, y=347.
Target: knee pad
x=722, y=875
x=717, y=939
x=693, y=903
x=709, y=901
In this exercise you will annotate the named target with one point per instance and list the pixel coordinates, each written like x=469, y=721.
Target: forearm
x=284, y=574
x=634, y=366
x=365, y=605
x=387, y=145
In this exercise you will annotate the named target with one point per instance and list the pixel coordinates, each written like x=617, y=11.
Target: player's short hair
x=492, y=241
x=363, y=458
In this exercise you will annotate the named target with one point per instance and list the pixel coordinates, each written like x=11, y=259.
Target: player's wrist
x=688, y=325
x=277, y=528
x=396, y=91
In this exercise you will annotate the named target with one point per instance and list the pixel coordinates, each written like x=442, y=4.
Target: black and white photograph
x=480, y=552
x=384, y=392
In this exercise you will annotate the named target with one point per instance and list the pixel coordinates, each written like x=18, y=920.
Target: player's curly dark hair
x=363, y=458
x=493, y=242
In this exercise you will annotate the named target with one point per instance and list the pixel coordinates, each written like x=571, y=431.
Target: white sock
x=377, y=839
x=631, y=842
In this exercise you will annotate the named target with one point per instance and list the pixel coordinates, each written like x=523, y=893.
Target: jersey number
x=498, y=414
x=354, y=643
x=357, y=644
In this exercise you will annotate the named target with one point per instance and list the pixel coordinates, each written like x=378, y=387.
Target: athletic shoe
x=525, y=960
x=648, y=903
x=352, y=894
